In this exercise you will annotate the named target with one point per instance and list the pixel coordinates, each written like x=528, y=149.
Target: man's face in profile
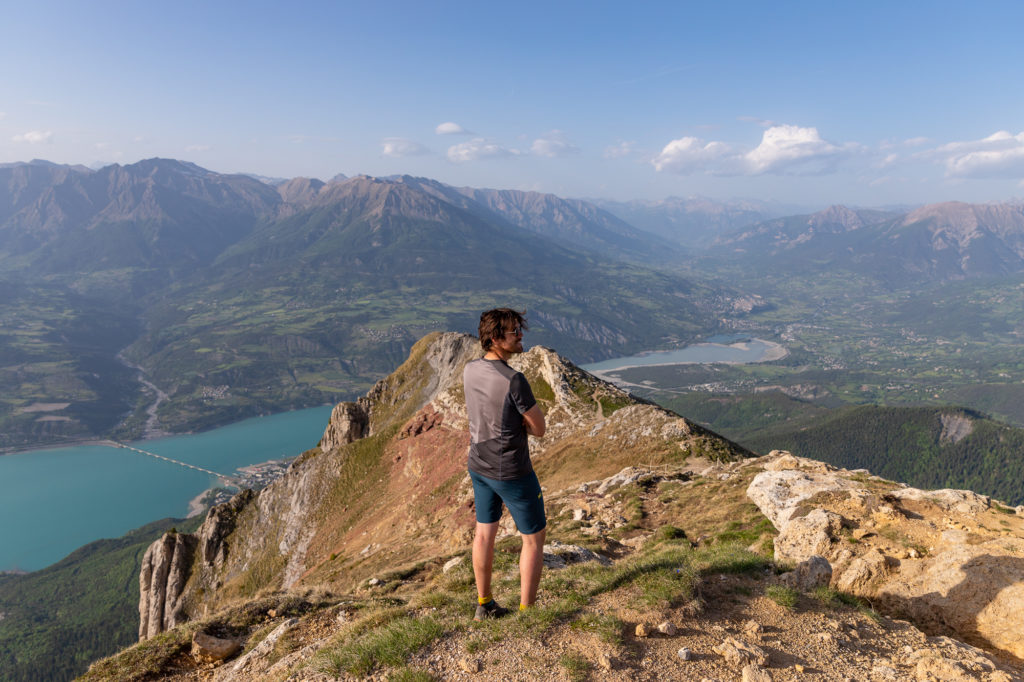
x=511, y=342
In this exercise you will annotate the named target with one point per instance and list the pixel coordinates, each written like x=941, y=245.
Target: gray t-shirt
x=497, y=396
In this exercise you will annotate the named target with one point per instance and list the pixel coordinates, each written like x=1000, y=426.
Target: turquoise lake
x=733, y=348
x=54, y=501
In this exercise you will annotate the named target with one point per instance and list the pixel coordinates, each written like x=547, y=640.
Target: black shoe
x=490, y=610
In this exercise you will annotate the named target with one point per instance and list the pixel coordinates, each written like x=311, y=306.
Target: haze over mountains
x=256, y=298
x=238, y=297
x=938, y=242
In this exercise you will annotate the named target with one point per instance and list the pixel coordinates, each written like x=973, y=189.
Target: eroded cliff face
x=387, y=484
x=165, y=570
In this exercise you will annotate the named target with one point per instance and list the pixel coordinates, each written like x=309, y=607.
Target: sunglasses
x=515, y=331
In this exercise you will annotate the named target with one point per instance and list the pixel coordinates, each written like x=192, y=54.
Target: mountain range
x=236, y=297
x=933, y=243
x=295, y=294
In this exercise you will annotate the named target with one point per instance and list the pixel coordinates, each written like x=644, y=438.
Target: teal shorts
x=522, y=496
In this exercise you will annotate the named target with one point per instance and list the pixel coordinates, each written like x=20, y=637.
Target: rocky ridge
x=735, y=626
x=666, y=546
x=369, y=494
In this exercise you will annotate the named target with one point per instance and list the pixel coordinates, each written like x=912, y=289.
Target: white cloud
x=34, y=136
x=619, y=151
x=553, y=144
x=999, y=155
x=478, y=148
x=399, y=147
x=197, y=148
x=889, y=160
x=784, y=150
x=785, y=147
x=690, y=154
x=451, y=128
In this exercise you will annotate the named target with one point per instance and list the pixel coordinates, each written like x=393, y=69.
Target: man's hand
x=533, y=421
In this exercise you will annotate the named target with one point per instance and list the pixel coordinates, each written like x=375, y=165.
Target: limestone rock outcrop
x=952, y=561
x=348, y=422
x=162, y=578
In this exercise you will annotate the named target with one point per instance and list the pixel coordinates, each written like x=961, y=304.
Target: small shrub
x=669, y=532
x=833, y=598
x=475, y=644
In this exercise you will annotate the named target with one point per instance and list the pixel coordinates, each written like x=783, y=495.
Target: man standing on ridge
x=502, y=412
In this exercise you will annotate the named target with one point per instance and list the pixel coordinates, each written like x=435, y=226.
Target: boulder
x=810, y=574
x=960, y=501
x=967, y=580
x=778, y=494
x=207, y=648
x=559, y=555
x=738, y=653
x=864, y=573
x=807, y=536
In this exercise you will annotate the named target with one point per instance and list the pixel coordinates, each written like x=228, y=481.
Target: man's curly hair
x=495, y=323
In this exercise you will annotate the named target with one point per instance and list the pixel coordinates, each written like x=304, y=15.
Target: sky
x=862, y=103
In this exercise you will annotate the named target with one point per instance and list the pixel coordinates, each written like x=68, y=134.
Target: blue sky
x=866, y=103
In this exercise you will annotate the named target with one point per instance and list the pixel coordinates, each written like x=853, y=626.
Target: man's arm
x=533, y=420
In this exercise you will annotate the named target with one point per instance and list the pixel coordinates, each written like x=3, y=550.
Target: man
x=502, y=412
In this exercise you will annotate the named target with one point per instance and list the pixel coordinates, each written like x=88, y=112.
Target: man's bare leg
x=483, y=557
x=531, y=561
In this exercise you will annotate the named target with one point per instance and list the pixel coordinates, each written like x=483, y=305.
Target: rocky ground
x=655, y=573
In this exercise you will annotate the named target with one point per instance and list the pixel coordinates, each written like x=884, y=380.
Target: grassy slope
x=59, y=619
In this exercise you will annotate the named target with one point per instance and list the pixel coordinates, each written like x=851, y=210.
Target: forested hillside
x=926, y=447
x=54, y=622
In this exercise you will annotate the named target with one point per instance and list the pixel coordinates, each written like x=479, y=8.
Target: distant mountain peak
x=837, y=214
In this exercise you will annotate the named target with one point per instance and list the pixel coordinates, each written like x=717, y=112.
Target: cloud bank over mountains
x=784, y=150
x=1000, y=155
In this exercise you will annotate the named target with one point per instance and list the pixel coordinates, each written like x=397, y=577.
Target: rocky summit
x=672, y=554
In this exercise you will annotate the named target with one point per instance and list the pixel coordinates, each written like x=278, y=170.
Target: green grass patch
x=782, y=595
x=607, y=628
x=668, y=532
x=577, y=667
x=390, y=644
x=542, y=390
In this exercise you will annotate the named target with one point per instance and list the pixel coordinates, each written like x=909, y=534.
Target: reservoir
x=54, y=501
x=732, y=348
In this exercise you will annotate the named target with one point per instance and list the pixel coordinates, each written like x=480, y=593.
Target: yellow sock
x=484, y=600
x=523, y=607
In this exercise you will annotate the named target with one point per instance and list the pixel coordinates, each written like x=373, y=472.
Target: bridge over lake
x=231, y=480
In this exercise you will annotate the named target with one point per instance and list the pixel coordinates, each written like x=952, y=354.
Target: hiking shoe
x=490, y=610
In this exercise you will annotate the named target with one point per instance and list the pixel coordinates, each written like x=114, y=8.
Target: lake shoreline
x=773, y=351
x=97, y=441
